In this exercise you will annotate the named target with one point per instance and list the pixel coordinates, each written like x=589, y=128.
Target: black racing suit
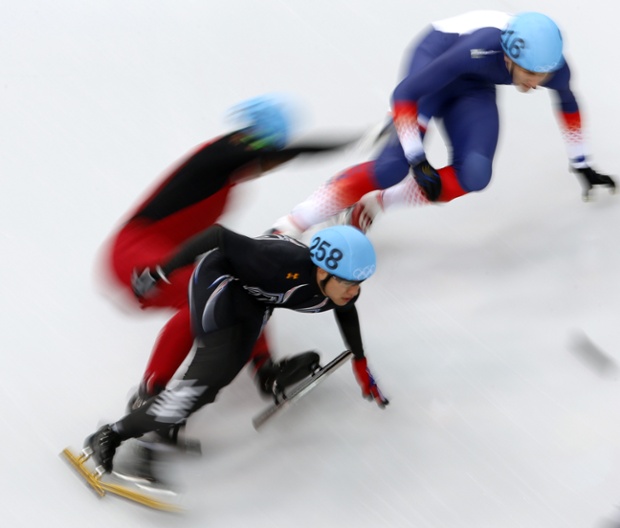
x=233, y=292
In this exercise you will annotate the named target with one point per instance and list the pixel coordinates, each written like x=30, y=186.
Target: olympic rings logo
x=360, y=274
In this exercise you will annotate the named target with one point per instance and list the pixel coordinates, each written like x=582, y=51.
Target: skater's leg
x=391, y=166
x=347, y=188
x=261, y=352
x=224, y=344
x=472, y=124
x=171, y=349
x=215, y=364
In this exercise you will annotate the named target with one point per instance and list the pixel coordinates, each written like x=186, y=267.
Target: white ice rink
x=474, y=324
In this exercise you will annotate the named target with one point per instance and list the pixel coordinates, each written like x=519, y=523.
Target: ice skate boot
x=285, y=226
x=362, y=214
x=101, y=446
x=274, y=378
x=140, y=485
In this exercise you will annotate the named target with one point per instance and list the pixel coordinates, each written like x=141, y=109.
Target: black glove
x=428, y=179
x=144, y=282
x=589, y=178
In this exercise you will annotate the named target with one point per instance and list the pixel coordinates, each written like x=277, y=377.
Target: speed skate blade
x=102, y=484
x=289, y=399
x=77, y=462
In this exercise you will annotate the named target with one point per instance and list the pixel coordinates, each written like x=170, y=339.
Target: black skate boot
x=102, y=447
x=273, y=378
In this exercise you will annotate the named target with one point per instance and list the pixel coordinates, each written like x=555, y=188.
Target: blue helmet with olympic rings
x=268, y=118
x=345, y=252
x=534, y=42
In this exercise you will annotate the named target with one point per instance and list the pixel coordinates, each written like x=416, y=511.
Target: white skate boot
x=285, y=226
x=362, y=213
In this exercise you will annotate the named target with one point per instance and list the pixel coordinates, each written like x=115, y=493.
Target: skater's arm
x=349, y=324
x=199, y=244
x=144, y=281
x=271, y=159
x=569, y=118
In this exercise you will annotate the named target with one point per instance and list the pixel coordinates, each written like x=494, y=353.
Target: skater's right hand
x=589, y=178
x=370, y=389
x=144, y=282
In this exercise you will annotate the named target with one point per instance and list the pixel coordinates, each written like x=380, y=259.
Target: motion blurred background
x=491, y=322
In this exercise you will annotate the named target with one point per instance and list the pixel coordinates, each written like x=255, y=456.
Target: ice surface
x=491, y=323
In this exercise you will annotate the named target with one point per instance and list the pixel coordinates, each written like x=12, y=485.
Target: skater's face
x=339, y=291
x=525, y=80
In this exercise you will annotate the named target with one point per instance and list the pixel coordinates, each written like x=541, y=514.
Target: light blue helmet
x=268, y=119
x=345, y=252
x=534, y=42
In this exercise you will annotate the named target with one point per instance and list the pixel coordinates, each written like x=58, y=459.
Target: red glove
x=370, y=390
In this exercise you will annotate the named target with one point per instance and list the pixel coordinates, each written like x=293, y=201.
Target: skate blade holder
x=279, y=392
x=300, y=390
x=93, y=479
x=95, y=482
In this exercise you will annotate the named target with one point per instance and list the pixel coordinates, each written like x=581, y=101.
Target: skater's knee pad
x=475, y=172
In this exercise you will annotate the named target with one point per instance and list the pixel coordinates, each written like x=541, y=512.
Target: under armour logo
x=293, y=276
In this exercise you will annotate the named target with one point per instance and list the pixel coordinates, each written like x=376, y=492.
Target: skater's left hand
x=428, y=179
x=144, y=282
x=589, y=178
x=370, y=389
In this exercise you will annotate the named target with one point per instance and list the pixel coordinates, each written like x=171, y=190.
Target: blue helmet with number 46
x=344, y=252
x=534, y=42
